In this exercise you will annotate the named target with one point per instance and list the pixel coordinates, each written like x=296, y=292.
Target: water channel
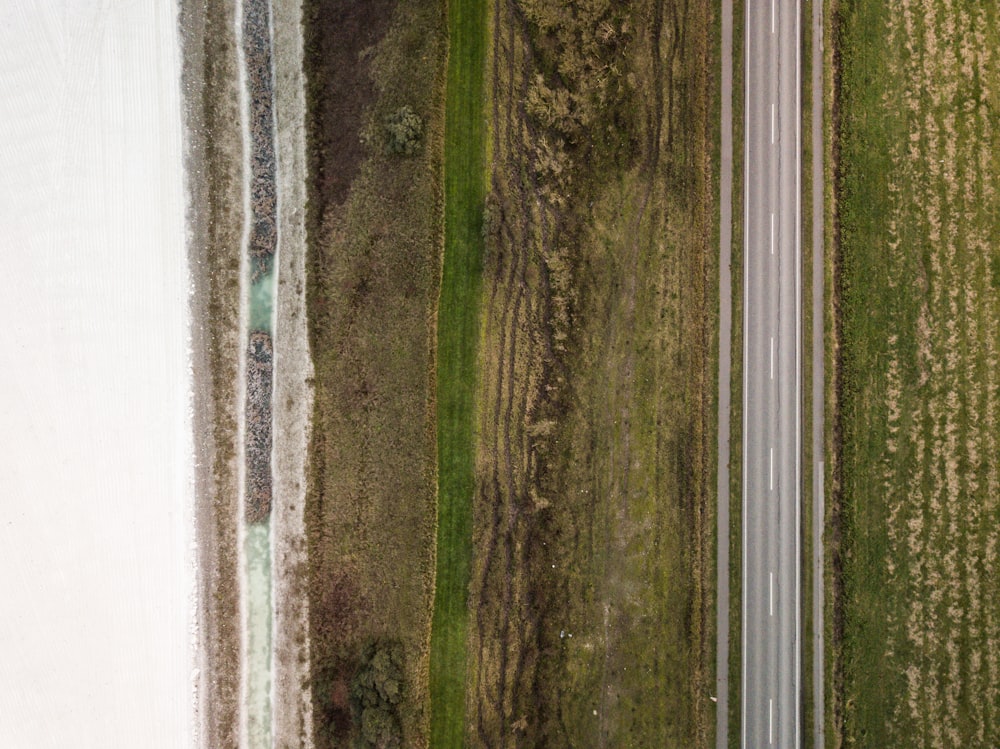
x=260, y=248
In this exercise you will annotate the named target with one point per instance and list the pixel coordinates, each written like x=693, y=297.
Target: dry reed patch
x=213, y=166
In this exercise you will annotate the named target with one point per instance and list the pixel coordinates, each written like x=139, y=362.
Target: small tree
x=379, y=728
x=376, y=691
x=404, y=131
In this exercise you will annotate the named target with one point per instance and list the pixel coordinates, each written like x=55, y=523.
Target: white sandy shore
x=96, y=638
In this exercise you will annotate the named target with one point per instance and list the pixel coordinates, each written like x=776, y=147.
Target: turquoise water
x=262, y=295
x=257, y=553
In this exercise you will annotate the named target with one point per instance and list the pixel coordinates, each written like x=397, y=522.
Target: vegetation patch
x=919, y=93
x=214, y=163
x=591, y=603
x=374, y=244
x=376, y=692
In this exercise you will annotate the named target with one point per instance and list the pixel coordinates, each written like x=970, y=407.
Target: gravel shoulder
x=293, y=401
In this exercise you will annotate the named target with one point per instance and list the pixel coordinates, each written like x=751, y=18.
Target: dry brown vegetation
x=213, y=166
x=920, y=92
x=374, y=261
x=591, y=594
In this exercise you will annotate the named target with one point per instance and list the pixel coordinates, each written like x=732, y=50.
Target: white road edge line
x=770, y=721
x=798, y=373
x=746, y=268
x=773, y=14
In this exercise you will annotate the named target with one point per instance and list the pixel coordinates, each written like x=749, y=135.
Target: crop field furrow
x=921, y=267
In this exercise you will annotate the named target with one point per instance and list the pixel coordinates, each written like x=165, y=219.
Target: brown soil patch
x=339, y=38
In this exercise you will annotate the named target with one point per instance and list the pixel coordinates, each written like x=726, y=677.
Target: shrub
x=376, y=691
x=404, y=131
x=380, y=728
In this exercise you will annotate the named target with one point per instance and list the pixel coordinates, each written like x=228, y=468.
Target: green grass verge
x=458, y=332
x=736, y=393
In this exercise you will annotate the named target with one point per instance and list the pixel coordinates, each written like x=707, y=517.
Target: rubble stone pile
x=258, y=428
x=263, y=199
x=262, y=244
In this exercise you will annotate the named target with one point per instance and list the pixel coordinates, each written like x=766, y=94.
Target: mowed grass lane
x=920, y=248
x=458, y=333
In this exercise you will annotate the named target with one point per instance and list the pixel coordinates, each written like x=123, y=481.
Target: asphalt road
x=771, y=647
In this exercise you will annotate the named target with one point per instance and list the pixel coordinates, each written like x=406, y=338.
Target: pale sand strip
x=213, y=163
x=291, y=701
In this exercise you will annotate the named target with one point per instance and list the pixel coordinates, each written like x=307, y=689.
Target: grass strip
x=458, y=331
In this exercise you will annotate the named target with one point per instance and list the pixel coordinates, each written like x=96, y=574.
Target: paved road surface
x=772, y=371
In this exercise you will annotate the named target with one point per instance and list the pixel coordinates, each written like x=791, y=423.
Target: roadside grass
x=736, y=390
x=832, y=547
x=457, y=339
x=373, y=275
x=920, y=264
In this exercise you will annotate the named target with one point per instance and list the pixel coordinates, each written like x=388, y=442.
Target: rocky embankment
x=260, y=88
x=261, y=247
x=258, y=413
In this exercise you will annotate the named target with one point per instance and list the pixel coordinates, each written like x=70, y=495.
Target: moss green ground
x=920, y=305
x=458, y=332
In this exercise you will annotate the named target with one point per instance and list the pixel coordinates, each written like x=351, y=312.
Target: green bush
x=376, y=691
x=404, y=131
x=380, y=728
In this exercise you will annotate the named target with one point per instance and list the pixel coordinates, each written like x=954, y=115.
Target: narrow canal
x=261, y=244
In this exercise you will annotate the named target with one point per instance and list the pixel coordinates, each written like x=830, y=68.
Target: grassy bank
x=458, y=332
x=374, y=243
x=920, y=275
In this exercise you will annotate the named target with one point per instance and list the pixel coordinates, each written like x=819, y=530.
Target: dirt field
x=919, y=276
